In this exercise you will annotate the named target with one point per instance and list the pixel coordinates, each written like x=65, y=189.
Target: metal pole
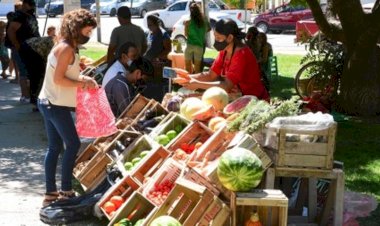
x=47, y=15
x=98, y=29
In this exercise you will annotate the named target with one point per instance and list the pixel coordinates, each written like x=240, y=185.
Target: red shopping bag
x=94, y=117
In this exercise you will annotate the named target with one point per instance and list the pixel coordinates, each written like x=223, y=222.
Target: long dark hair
x=227, y=27
x=196, y=14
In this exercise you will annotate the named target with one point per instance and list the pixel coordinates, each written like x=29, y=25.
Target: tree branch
x=332, y=31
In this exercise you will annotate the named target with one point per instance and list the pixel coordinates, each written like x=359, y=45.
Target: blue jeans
x=60, y=129
x=20, y=64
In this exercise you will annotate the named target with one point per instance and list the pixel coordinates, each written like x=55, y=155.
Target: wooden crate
x=143, y=143
x=136, y=207
x=124, y=124
x=169, y=123
x=96, y=172
x=169, y=171
x=121, y=137
x=193, y=133
x=90, y=156
x=153, y=105
x=192, y=175
x=149, y=166
x=104, y=143
x=271, y=205
x=124, y=188
x=135, y=107
x=187, y=203
x=216, y=214
x=301, y=153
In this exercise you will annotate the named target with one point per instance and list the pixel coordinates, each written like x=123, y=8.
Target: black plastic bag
x=79, y=208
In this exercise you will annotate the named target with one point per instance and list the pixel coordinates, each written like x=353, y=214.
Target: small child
x=4, y=57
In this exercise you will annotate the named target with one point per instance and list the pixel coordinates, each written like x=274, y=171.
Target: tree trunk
x=360, y=82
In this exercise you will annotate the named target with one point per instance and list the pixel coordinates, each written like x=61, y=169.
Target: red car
x=282, y=18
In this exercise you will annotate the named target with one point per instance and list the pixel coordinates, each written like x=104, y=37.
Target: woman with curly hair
x=195, y=31
x=58, y=98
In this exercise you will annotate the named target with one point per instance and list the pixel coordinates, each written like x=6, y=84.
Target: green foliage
x=298, y=2
x=234, y=3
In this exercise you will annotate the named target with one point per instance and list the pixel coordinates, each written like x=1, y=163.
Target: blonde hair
x=73, y=22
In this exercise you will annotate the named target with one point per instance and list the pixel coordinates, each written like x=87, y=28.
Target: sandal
x=49, y=198
x=64, y=195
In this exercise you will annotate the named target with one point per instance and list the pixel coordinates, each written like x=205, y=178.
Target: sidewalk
x=23, y=144
x=22, y=148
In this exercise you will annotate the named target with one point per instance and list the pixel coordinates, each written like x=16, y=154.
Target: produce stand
x=170, y=168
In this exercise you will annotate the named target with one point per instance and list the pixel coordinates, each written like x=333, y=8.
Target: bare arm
x=196, y=84
x=65, y=56
x=205, y=76
x=111, y=53
x=167, y=49
x=186, y=23
x=12, y=29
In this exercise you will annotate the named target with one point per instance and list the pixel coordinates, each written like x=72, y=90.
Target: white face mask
x=129, y=62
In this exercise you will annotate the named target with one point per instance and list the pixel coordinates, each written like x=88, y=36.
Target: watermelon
x=239, y=169
x=165, y=221
x=238, y=104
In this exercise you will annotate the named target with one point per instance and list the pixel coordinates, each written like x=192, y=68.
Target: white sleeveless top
x=56, y=94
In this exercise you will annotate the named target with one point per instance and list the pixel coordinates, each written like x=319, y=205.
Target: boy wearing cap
x=121, y=89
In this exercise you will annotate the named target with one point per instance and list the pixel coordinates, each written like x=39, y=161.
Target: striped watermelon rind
x=239, y=170
x=238, y=105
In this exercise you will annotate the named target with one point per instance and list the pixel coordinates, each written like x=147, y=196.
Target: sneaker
x=24, y=100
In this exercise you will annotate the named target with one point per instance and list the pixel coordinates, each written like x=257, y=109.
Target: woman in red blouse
x=235, y=66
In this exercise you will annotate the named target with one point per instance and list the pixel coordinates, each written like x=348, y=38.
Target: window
x=181, y=6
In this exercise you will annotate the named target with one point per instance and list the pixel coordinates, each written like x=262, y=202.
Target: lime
x=136, y=160
x=144, y=153
x=128, y=166
x=171, y=134
x=163, y=139
x=178, y=128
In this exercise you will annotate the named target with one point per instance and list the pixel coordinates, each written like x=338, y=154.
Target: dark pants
x=36, y=66
x=60, y=129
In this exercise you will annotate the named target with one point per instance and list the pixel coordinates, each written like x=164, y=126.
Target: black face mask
x=82, y=39
x=31, y=11
x=219, y=46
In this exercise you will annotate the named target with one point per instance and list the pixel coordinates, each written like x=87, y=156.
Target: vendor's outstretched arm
x=209, y=76
x=197, y=84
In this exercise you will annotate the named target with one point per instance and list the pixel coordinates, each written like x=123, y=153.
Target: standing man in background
x=126, y=32
x=23, y=26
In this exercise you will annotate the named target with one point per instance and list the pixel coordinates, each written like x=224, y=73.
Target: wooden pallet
x=124, y=188
x=271, y=205
x=315, y=151
x=149, y=166
x=136, y=207
x=192, y=204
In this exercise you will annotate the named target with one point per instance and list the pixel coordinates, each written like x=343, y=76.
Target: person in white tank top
x=58, y=97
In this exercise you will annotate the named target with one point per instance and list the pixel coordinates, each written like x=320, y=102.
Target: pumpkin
x=253, y=220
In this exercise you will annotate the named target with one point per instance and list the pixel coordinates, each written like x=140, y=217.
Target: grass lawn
x=357, y=142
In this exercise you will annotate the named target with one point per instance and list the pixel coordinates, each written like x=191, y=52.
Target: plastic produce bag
x=94, y=117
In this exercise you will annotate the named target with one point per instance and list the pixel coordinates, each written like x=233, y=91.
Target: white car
x=109, y=7
x=170, y=15
x=179, y=28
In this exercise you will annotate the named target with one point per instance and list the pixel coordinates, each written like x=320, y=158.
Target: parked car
x=170, y=15
x=282, y=18
x=141, y=7
x=108, y=7
x=178, y=32
x=55, y=8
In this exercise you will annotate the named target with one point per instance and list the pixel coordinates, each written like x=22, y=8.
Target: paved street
x=281, y=43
